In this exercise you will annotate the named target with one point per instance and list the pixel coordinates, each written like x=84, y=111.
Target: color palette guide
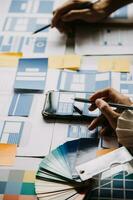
x=17, y=182
x=57, y=178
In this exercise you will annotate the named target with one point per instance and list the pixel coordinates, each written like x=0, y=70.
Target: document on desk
x=20, y=105
x=103, y=40
x=124, y=82
x=20, y=19
x=26, y=132
x=31, y=75
x=83, y=81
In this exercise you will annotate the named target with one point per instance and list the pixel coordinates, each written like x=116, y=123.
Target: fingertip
x=100, y=103
x=90, y=127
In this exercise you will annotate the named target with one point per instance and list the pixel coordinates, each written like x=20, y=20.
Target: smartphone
x=61, y=105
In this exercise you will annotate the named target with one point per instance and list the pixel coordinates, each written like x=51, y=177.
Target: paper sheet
x=103, y=41
x=20, y=19
x=7, y=154
x=65, y=62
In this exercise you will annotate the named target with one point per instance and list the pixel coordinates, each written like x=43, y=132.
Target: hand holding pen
x=90, y=11
x=61, y=12
x=109, y=115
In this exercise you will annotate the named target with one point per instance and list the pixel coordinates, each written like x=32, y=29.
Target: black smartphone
x=61, y=105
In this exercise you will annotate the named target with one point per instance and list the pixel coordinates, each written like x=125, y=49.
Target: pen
x=84, y=5
x=41, y=29
x=116, y=105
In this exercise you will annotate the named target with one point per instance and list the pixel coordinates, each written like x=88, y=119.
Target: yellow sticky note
x=114, y=64
x=105, y=65
x=55, y=62
x=72, y=62
x=64, y=62
x=9, y=59
x=7, y=154
x=14, y=54
x=121, y=65
x=102, y=152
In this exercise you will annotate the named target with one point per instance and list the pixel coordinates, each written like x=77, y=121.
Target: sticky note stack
x=57, y=177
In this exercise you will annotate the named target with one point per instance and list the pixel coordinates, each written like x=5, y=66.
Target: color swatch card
x=31, y=75
x=17, y=182
x=57, y=178
x=20, y=105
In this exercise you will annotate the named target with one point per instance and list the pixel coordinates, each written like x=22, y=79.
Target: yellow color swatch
x=29, y=176
x=7, y=154
x=102, y=152
x=10, y=59
x=114, y=64
x=64, y=62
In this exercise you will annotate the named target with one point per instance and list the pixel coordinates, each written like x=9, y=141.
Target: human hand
x=65, y=16
x=108, y=118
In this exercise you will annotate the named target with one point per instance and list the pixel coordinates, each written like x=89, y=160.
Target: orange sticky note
x=7, y=154
x=102, y=152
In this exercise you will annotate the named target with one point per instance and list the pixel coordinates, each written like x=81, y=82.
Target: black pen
x=116, y=105
x=82, y=6
x=41, y=29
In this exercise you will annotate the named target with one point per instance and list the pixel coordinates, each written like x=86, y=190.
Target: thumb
x=108, y=112
x=74, y=15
